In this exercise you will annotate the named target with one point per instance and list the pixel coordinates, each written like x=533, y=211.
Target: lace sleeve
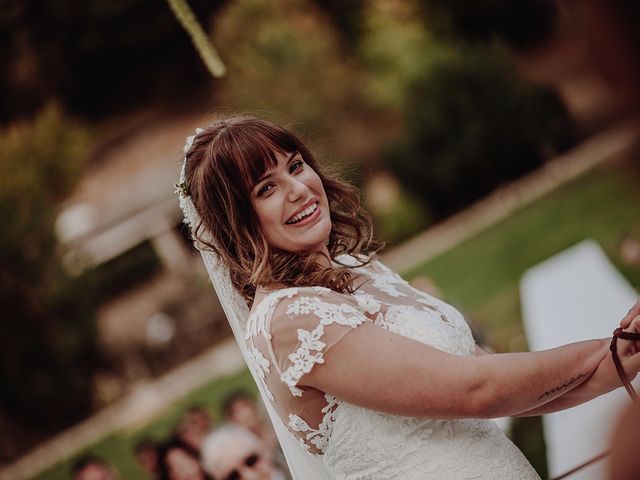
x=305, y=326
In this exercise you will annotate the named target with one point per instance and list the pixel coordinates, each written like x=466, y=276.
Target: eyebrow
x=270, y=174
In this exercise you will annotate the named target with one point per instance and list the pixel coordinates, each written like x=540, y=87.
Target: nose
x=296, y=190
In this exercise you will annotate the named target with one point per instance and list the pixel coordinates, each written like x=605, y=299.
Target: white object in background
x=577, y=295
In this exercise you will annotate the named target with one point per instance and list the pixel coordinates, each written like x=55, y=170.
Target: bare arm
x=590, y=388
x=384, y=371
x=576, y=393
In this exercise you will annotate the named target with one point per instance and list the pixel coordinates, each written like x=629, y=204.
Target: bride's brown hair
x=222, y=167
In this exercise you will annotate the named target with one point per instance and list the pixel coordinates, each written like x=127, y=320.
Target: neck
x=324, y=258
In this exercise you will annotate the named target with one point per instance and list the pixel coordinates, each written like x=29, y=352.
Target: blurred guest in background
x=146, y=453
x=194, y=425
x=242, y=408
x=630, y=250
x=93, y=468
x=234, y=453
x=179, y=461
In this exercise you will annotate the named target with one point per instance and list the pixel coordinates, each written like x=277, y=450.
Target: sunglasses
x=250, y=461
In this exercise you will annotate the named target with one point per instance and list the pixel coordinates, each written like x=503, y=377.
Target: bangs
x=251, y=147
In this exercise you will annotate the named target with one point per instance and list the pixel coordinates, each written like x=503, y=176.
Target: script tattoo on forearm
x=563, y=386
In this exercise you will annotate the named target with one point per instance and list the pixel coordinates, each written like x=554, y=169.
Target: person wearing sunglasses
x=233, y=452
x=179, y=461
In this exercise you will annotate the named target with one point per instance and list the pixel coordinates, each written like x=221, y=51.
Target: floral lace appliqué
x=258, y=324
x=367, y=302
x=384, y=279
x=261, y=366
x=303, y=360
x=319, y=437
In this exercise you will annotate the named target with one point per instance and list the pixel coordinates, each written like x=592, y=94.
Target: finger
x=632, y=365
x=634, y=327
x=631, y=314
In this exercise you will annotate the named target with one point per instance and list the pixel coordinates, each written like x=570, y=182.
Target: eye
x=296, y=165
x=251, y=460
x=266, y=188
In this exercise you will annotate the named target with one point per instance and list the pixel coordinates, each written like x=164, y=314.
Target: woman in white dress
x=374, y=377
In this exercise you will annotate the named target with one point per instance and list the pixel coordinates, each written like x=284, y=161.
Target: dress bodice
x=290, y=330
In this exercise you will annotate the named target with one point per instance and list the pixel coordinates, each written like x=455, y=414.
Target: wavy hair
x=222, y=167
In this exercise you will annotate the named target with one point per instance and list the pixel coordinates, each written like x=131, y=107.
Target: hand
x=631, y=314
x=605, y=378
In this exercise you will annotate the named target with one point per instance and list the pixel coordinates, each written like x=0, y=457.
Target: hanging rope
x=201, y=41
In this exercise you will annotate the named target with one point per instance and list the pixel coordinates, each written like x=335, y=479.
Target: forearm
x=583, y=392
x=580, y=390
x=605, y=379
x=579, y=395
x=524, y=383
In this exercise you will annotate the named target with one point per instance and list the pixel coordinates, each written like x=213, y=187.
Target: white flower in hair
x=181, y=187
x=189, y=140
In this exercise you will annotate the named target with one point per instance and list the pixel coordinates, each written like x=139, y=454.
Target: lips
x=309, y=208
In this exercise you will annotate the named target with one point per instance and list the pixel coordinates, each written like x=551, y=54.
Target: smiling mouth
x=302, y=215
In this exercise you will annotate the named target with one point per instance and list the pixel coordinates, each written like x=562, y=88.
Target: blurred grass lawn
x=117, y=448
x=480, y=276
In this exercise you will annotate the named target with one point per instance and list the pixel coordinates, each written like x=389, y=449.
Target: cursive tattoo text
x=563, y=386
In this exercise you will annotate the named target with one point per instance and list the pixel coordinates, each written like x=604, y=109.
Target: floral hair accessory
x=181, y=187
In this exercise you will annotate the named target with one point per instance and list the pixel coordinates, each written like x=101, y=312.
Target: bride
x=373, y=378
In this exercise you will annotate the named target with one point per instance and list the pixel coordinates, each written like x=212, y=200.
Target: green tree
x=347, y=16
x=97, y=57
x=48, y=341
x=472, y=126
x=521, y=25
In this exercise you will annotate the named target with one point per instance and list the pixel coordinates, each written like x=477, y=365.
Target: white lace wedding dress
x=290, y=330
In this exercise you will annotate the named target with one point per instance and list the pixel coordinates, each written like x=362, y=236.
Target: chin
x=308, y=247
x=315, y=244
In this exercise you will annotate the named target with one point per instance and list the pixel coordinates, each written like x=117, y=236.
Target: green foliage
x=278, y=59
x=404, y=218
x=47, y=324
x=396, y=214
x=522, y=24
x=473, y=125
x=39, y=164
x=394, y=49
x=527, y=434
x=346, y=16
x=289, y=66
x=96, y=56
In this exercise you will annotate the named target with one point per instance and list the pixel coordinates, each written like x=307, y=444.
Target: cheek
x=269, y=218
x=316, y=182
x=319, y=187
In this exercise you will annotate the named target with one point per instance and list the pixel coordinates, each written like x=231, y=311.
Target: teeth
x=304, y=213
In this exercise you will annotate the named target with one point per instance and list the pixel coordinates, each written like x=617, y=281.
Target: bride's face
x=292, y=206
